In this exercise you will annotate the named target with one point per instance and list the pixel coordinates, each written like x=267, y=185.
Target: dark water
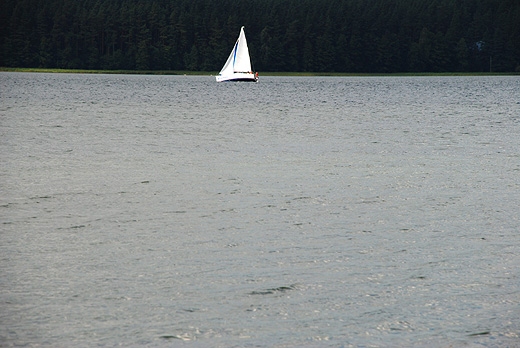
x=315, y=212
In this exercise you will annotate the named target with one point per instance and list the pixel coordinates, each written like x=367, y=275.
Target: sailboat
x=238, y=64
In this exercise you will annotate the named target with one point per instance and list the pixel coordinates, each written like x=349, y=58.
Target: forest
x=353, y=36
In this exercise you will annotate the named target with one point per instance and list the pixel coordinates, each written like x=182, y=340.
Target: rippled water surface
x=317, y=212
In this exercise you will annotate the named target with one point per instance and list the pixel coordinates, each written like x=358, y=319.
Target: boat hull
x=237, y=77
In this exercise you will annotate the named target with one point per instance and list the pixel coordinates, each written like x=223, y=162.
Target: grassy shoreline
x=212, y=73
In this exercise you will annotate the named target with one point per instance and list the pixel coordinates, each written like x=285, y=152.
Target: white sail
x=242, y=61
x=238, y=64
x=228, y=68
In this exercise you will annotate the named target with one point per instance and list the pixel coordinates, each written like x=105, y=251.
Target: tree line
x=360, y=36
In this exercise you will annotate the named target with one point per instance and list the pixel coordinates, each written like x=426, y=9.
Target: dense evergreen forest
x=372, y=36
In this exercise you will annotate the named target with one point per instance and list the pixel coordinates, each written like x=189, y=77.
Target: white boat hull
x=246, y=77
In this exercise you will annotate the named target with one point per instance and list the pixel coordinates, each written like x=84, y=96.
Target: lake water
x=172, y=211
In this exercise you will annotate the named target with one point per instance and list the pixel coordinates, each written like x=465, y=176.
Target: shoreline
x=213, y=73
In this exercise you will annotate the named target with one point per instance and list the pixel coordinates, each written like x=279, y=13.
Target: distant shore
x=210, y=73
